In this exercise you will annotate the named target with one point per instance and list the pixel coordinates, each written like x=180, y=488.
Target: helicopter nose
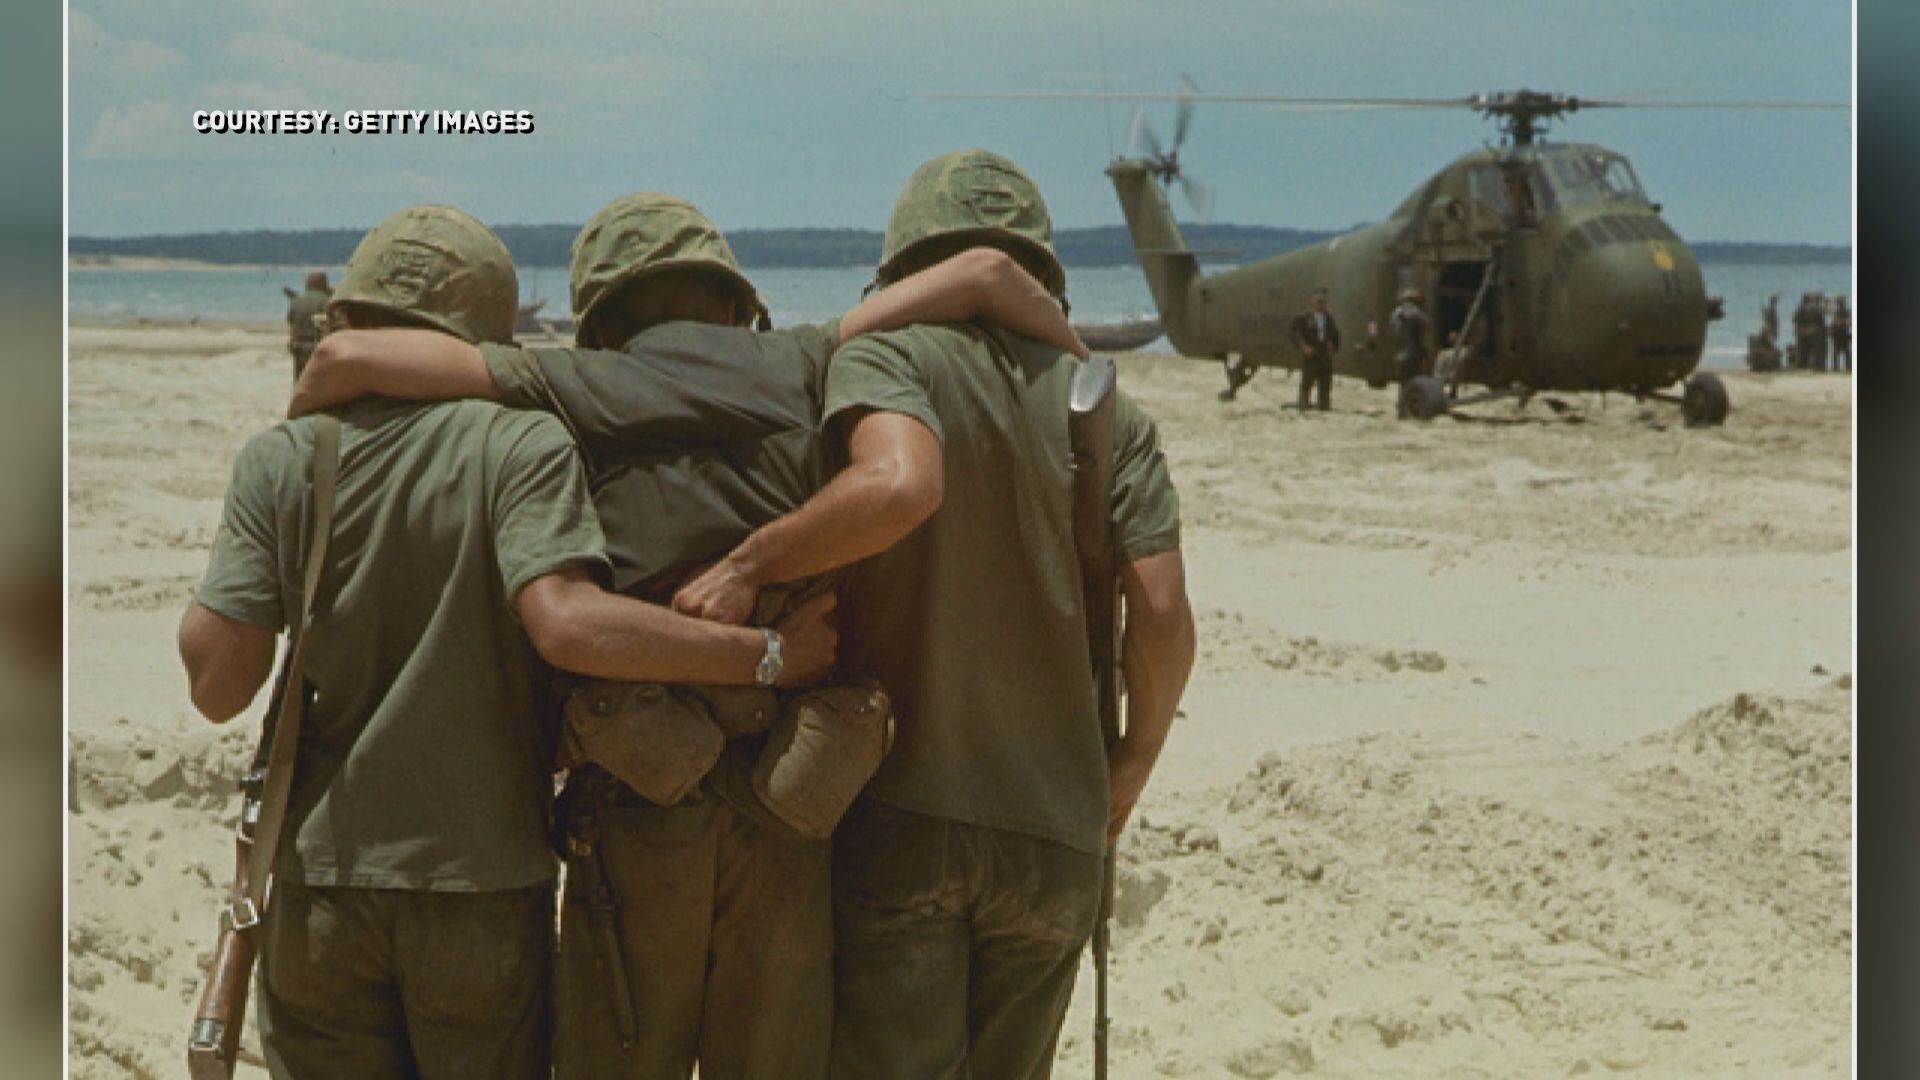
x=1638, y=312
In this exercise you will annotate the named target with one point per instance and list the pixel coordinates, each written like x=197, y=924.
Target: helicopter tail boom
x=1171, y=267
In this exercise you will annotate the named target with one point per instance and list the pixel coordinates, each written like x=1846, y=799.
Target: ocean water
x=1098, y=294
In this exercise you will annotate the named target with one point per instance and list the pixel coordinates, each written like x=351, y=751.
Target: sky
x=779, y=113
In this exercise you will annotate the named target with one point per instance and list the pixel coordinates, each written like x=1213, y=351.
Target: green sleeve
x=543, y=519
x=517, y=375
x=877, y=372
x=1146, y=508
x=243, y=575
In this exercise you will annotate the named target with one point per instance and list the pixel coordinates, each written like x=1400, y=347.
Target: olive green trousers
x=389, y=983
x=956, y=946
x=724, y=932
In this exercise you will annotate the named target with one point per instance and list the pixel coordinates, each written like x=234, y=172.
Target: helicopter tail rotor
x=1183, y=114
x=1164, y=162
x=1199, y=196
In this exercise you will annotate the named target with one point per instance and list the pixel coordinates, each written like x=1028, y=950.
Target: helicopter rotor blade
x=1151, y=142
x=1192, y=96
x=1183, y=116
x=1307, y=104
x=1655, y=104
x=1199, y=196
x=1136, y=127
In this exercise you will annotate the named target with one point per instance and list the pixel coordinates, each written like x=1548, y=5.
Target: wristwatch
x=768, y=669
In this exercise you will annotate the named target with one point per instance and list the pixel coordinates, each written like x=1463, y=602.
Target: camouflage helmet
x=975, y=195
x=439, y=265
x=642, y=234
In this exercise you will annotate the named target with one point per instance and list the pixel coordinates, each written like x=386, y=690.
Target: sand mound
x=151, y=861
x=1232, y=642
x=1397, y=906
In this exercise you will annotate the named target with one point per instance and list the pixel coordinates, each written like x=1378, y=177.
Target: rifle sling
x=245, y=911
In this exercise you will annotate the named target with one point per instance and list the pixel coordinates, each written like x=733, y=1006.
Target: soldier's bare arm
x=979, y=283
x=577, y=625
x=227, y=661
x=893, y=481
x=418, y=365
x=1157, y=648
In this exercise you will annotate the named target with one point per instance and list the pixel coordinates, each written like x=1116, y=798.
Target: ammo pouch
x=659, y=740
x=825, y=748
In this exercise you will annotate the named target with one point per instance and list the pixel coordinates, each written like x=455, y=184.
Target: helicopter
x=1546, y=265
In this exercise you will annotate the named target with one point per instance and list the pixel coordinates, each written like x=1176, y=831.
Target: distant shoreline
x=165, y=264
x=768, y=249
x=153, y=263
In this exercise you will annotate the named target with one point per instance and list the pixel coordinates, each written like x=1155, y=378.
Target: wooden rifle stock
x=213, y=1045
x=1090, y=422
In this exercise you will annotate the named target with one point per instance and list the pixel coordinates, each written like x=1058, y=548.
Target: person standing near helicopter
x=1317, y=337
x=1410, y=327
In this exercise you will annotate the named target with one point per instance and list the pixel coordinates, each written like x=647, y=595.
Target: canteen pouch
x=828, y=744
x=648, y=738
x=737, y=710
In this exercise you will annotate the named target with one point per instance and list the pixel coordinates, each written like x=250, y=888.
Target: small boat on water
x=530, y=321
x=1118, y=336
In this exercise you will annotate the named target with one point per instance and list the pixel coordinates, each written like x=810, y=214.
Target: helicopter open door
x=1457, y=287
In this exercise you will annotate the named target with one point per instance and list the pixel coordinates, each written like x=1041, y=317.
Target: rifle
x=213, y=1043
x=1090, y=420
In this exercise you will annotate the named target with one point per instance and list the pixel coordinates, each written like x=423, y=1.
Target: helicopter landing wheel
x=1704, y=402
x=1422, y=397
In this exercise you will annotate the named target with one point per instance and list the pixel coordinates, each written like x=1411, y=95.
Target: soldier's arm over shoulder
x=980, y=283
x=408, y=363
x=683, y=385
x=1146, y=508
x=880, y=415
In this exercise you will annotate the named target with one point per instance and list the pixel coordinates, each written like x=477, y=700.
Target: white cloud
x=332, y=78
x=143, y=130
x=106, y=60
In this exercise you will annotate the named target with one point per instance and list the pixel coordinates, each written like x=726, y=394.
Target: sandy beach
x=1517, y=746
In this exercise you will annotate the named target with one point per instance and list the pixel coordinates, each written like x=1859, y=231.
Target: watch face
x=768, y=669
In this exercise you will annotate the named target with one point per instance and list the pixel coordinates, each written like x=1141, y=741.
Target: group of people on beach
x=802, y=623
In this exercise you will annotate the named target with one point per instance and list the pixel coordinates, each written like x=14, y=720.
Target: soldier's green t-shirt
x=975, y=621
x=694, y=435
x=426, y=757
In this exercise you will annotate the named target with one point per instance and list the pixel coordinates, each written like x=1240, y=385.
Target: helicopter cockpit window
x=1593, y=177
x=1489, y=191
x=1617, y=177
x=1543, y=193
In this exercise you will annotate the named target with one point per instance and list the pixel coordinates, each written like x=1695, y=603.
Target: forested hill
x=549, y=245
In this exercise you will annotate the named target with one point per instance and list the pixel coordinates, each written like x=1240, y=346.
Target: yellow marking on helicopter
x=1662, y=258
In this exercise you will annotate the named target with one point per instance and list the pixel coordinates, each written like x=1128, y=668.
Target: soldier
x=306, y=318
x=1802, y=353
x=1317, y=337
x=697, y=431
x=1410, y=330
x=410, y=925
x=967, y=878
x=1770, y=318
x=1842, y=330
x=1818, y=322
x=1810, y=332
